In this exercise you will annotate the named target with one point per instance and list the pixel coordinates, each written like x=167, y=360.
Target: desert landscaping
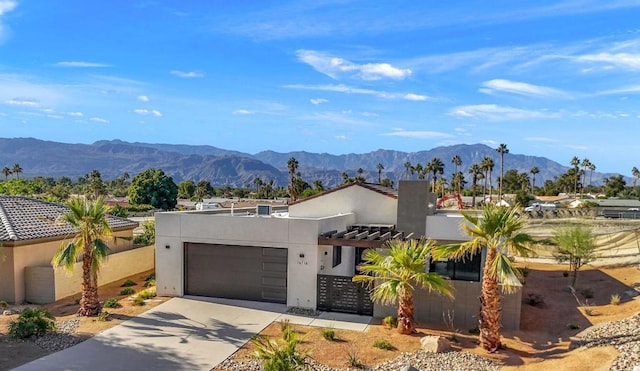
x=586, y=329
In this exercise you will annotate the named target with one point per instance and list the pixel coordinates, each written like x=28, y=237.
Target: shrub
x=279, y=356
x=390, y=322
x=588, y=309
x=383, y=344
x=534, y=299
x=149, y=283
x=128, y=283
x=104, y=316
x=329, y=334
x=587, y=293
x=147, y=294
x=615, y=299
x=127, y=291
x=139, y=301
x=150, y=277
x=285, y=325
x=4, y=304
x=111, y=303
x=352, y=358
x=32, y=322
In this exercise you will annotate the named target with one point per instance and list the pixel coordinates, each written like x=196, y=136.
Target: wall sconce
x=301, y=255
x=167, y=246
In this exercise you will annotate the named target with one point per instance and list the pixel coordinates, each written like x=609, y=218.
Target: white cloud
x=317, y=101
x=369, y=114
x=624, y=90
x=187, y=75
x=142, y=98
x=75, y=114
x=341, y=88
x=520, y=88
x=499, y=113
x=55, y=116
x=80, y=64
x=22, y=102
x=243, y=112
x=99, y=120
x=146, y=112
x=623, y=60
x=5, y=7
x=335, y=66
x=418, y=134
x=341, y=137
x=343, y=117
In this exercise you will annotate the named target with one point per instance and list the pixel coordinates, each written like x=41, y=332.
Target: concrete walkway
x=182, y=334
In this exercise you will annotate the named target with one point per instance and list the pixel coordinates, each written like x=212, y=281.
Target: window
x=467, y=269
x=337, y=255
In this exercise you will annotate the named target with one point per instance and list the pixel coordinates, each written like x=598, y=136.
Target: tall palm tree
x=592, y=168
x=487, y=165
x=292, y=166
x=418, y=170
x=575, y=162
x=534, y=170
x=457, y=162
x=16, y=170
x=6, y=171
x=380, y=167
x=475, y=170
x=498, y=230
x=89, y=218
x=636, y=175
x=585, y=165
x=407, y=169
x=396, y=271
x=502, y=149
x=435, y=167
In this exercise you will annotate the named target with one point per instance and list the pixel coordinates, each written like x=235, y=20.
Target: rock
x=435, y=344
x=408, y=368
x=8, y=312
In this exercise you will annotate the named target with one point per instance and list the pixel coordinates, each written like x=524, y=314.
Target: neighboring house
x=307, y=256
x=29, y=237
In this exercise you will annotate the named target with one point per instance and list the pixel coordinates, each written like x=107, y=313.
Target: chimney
x=415, y=202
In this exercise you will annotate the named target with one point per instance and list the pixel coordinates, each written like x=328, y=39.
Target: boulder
x=435, y=344
x=9, y=312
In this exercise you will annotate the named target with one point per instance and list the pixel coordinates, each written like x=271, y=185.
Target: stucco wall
x=7, y=285
x=46, y=284
x=369, y=206
x=298, y=235
x=446, y=226
x=430, y=307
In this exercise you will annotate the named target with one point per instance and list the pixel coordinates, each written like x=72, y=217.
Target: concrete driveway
x=180, y=334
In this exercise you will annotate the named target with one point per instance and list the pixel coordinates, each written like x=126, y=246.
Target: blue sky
x=548, y=78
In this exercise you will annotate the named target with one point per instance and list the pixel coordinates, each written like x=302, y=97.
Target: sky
x=548, y=78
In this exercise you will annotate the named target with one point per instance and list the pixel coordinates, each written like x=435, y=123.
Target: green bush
x=383, y=344
x=615, y=299
x=139, y=208
x=279, y=356
x=120, y=211
x=4, y=304
x=32, y=322
x=390, y=322
x=138, y=300
x=111, y=303
x=104, y=316
x=127, y=291
x=329, y=334
x=128, y=283
x=352, y=358
x=149, y=283
x=147, y=294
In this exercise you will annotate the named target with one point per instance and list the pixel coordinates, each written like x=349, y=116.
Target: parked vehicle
x=540, y=207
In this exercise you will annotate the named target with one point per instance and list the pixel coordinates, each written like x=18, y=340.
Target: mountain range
x=226, y=167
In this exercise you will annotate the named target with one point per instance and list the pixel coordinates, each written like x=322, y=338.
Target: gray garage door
x=236, y=272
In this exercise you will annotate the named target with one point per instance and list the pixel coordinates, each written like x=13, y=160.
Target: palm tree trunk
x=490, y=311
x=406, y=322
x=89, y=303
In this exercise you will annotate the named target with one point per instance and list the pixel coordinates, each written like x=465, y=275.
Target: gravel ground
x=624, y=335
x=423, y=361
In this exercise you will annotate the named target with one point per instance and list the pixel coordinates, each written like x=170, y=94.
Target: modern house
x=29, y=237
x=307, y=256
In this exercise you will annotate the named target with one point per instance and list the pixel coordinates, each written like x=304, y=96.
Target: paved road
x=181, y=334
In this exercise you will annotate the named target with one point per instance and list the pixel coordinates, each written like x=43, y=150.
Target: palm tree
x=435, y=167
x=592, y=168
x=456, y=161
x=534, y=170
x=498, y=230
x=418, y=170
x=380, y=167
x=475, y=170
x=487, y=166
x=89, y=218
x=585, y=165
x=292, y=166
x=16, y=170
x=636, y=175
x=396, y=271
x=502, y=149
x=6, y=171
x=575, y=162
x=407, y=169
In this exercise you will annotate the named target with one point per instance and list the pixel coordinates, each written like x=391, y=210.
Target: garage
x=236, y=272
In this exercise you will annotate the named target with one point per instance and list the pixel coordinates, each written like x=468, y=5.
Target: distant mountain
x=224, y=167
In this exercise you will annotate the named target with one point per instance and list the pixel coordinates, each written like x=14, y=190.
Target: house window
x=337, y=255
x=467, y=269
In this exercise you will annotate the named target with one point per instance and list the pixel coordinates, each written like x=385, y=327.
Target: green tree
x=89, y=219
x=534, y=170
x=636, y=175
x=575, y=245
x=476, y=171
x=487, y=166
x=457, y=162
x=154, y=188
x=292, y=166
x=502, y=149
x=16, y=170
x=380, y=167
x=614, y=185
x=203, y=190
x=96, y=186
x=575, y=162
x=498, y=230
x=6, y=171
x=186, y=189
x=395, y=272
x=435, y=167
x=407, y=169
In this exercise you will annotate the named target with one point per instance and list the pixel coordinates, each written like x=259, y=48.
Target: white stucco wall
x=298, y=235
x=446, y=227
x=370, y=207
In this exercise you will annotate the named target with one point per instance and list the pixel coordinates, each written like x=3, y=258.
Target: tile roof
x=389, y=192
x=23, y=218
